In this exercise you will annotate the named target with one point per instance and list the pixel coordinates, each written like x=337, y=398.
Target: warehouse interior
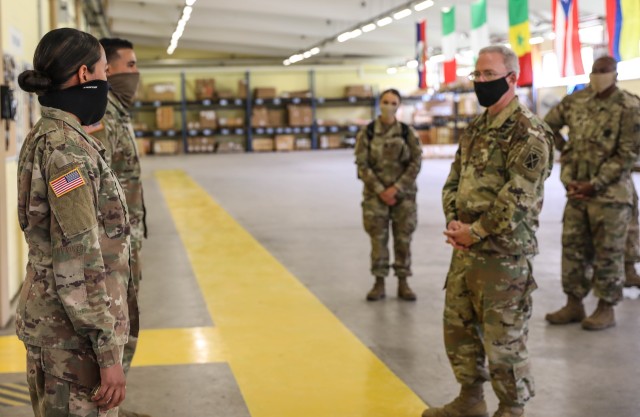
x=256, y=265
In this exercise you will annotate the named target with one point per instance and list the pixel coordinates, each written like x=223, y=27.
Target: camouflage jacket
x=496, y=182
x=388, y=159
x=74, y=217
x=604, y=136
x=121, y=153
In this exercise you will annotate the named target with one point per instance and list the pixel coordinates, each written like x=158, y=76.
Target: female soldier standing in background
x=388, y=156
x=72, y=311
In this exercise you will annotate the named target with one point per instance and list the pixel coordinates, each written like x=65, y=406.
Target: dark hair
x=59, y=55
x=113, y=45
x=392, y=91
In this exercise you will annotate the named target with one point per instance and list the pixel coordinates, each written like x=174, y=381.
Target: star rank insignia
x=532, y=160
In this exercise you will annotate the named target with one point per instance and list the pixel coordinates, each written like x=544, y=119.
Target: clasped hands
x=459, y=235
x=580, y=190
x=388, y=196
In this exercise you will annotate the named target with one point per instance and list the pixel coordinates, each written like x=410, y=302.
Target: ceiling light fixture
x=384, y=21
x=182, y=23
x=536, y=40
x=402, y=14
x=369, y=27
x=344, y=37
x=412, y=64
x=423, y=6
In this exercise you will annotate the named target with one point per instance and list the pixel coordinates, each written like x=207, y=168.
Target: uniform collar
x=116, y=103
x=498, y=120
x=57, y=114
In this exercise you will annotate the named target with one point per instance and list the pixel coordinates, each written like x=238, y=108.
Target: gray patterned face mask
x=388, y=110
x=124, y=87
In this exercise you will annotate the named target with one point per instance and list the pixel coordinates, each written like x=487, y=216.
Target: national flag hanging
x=421, y=53
x=567, y=42
x=519, y=36
x=623, y=28
x=449, y=44
x=479, y=28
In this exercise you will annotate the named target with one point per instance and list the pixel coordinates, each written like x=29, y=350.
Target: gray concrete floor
x=305, y=209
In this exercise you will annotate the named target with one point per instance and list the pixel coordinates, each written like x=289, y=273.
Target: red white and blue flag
x=421, y=53
x=567, y=43
x=68, y=182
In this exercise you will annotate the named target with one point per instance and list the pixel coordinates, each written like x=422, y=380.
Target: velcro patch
x=532, y=160
x=67, y=182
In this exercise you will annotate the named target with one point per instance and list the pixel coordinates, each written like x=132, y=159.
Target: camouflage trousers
x=134, y=313
x=377, y=217
x=632, y=247
x=593, y=249
x=486, y=315
x=60, y=383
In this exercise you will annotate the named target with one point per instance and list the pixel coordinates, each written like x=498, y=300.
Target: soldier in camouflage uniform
x=492, y=199
x=389, y=156
x=72, y=312
x=604, y=124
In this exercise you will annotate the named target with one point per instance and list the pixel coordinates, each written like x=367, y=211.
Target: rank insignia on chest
x=67, y=182
x=531, y=161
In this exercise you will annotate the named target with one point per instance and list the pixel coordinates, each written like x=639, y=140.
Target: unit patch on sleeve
x=532, y=160
x=67, y=182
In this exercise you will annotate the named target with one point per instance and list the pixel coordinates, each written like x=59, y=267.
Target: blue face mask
x=490, y=92
x=88, y=101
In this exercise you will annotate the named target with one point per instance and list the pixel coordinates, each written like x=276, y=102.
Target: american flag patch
x=68, y=182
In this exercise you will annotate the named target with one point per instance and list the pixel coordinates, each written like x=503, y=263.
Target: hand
x=459, y=235
x=580, y=190
x=112, y=388
x=388, y=196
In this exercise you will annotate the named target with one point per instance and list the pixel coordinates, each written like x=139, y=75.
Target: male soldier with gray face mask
x=604, y=141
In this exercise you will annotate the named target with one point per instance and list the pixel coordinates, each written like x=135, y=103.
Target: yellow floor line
x=6, y=401
x=15, y=395
x=19, y=387
x=290, y=355
x=155, y=347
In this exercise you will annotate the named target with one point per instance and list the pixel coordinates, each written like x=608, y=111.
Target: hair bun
x=34, y=81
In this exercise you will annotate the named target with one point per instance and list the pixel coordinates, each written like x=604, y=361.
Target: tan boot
x=573, y=312
x=470, y=403
x=602, y=318
x=631, y=277
x=377, y=292
x=506, y=411
x=404, y=291
x=127, y=413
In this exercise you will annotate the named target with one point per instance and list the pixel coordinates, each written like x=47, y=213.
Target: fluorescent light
x=187, y=11
x=306, y=54
x=536, y=40
x=437, y=58
x=344, y=37
x=315, y=51
x=286, y=62
x=392, y=70
x=295, y=58
x=412, y=64
x=402, y=14
x=551, y=35
x=190, y=2
x=369, y=27
x=446, y=9
x=422, y=6
x=384, y=21
x=355, y=33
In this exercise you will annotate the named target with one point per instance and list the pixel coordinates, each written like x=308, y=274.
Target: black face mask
x=489, y=92
x=88, y=101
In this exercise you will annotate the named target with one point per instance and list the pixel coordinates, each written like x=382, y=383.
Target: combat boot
x=507, y=411
x=470, y=403
x=573, y=312
x=404, y=291
x=127, y=413
x=631, y=277
x=602, y=318
x=377, y=292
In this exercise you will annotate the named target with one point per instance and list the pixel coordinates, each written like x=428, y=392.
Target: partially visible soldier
x=389, y=155
x=116, y=135
x=604, y=124
x=491, y=200
x=72, y=312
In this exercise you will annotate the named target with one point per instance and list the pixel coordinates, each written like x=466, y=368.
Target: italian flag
x=519, y=36
x=479, y=28
x=449, y=44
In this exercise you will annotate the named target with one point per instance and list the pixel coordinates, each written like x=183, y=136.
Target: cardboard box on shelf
x=297, y=94
x=444, y=135
x=208, y=119
x=299, y=115
x=229, y=147
x=225, y=93
x=363, y=91
x=259, y=116
x=164, y=118
x=140, y=126
x=242, y=88
x=425, y=136
x=143, y=145
x=262, y=144
x=166, y=147
x=439, y=108
x=201, y=145
x=235, y=122
x=161, y=92
x=303, y=144
x=205, y=88
x=264, y=92
x=285, y=142
x=330, y=141
x=276, y=117
x=468, y=105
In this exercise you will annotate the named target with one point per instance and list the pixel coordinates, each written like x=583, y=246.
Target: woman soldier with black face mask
x=72, y=310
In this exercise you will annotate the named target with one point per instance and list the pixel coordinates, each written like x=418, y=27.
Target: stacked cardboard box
x=259, y=116
x=425, y=136
x=300, y=115
x=264, y=92
x=229, y=147
x=201, y=145
x=166, y=147
x=262, y=144
x=276, y=117
x=242, y=88
x=164, y=118
x=208, y=119
x=330, y=141
x=285, y=142
x=363, y=91
x=143, y=145
x=303, y=144
x=205, y=88
x=161, y=92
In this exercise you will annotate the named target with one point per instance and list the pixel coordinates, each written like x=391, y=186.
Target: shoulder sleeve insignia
x=67, y=182
x=532, y=160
